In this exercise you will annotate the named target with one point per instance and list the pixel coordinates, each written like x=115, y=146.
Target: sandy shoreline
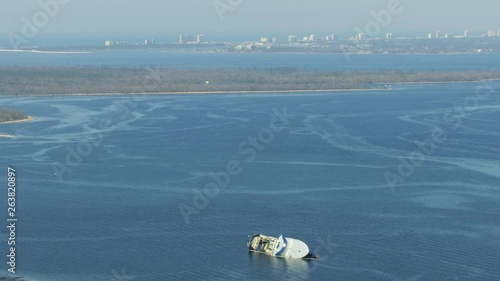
x=28, y=119
x=9, y=136
x=250, y=91
x=205, y=93
x=223, y=92
x=43, y=52
x=4, y=135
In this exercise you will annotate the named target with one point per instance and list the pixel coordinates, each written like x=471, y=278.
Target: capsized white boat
x=282, y=247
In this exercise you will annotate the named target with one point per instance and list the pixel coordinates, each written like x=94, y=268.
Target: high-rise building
x=108, y=43
x=185, y=39
x=312, y=38
x=149, y=42
x=492, y=33
x=438, y=34
x=292, y=39
x=466, y=34
x=331, y=37
x=199, y=38
x=361, y=36
x=429, y=35
x=388, y=36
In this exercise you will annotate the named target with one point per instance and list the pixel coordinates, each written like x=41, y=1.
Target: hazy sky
x=251, y=15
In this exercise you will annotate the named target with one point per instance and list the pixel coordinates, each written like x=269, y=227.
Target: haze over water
x=318, y=62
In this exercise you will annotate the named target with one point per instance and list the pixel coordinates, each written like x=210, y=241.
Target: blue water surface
x=314, y=62
x=113, y=211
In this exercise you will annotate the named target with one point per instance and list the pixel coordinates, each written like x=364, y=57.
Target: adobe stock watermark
x=325, y=250
x=224, y=6
x=453, y=120
x=221, y=180
x=40, y=19
x=380, y=20
x=121, y=276
x=76, y=154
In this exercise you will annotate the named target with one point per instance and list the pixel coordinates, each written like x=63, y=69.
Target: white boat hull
x=282, y=247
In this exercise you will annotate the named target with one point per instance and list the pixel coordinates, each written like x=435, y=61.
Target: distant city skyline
x=377, y=16
x=190, y=38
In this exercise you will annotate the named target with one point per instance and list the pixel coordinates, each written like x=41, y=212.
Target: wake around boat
x=281, y=247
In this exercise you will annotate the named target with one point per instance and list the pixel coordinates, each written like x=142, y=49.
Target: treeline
x=63, y=80
x=7, y=115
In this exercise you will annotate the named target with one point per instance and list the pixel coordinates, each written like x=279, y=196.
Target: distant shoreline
x=210, y=92
x=44, y=52
x=93, y=51
x=238, y=92
x=444, y=82
x=103, y=81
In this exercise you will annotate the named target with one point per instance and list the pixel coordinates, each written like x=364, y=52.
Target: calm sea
x=318, y=62
x=101, y=179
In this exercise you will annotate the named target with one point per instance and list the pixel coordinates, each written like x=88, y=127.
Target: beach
x=10, y=136
x=28, y=119
x=2, y=135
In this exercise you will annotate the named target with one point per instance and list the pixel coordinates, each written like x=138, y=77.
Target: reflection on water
x=279, y=268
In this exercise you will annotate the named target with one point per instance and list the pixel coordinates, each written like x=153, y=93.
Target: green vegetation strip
x=33, y=81
x=7, y=115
